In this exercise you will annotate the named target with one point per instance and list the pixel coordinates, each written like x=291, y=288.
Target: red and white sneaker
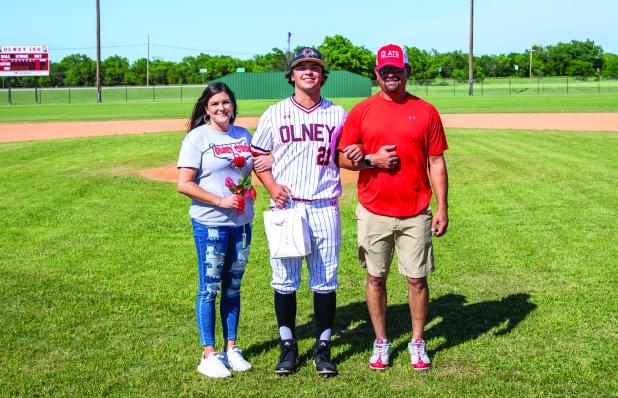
x=380, y=356
x=418, y=354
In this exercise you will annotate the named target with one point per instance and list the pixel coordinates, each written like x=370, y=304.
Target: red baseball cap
x=393, y=55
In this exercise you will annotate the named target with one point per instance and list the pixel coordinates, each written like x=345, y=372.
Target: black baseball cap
x=307, y=54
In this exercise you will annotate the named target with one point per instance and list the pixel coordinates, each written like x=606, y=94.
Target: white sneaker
x=380, y=355
x=234, y=360
x=418, y=355
x=212, y=366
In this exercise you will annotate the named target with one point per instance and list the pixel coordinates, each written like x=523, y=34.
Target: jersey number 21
x=323, y=157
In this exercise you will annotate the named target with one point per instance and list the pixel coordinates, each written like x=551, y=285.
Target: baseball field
x=98, y=275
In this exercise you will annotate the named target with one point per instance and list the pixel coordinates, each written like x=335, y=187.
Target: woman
x=214, y=156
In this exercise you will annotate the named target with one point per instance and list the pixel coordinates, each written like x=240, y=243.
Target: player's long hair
x=199, y=115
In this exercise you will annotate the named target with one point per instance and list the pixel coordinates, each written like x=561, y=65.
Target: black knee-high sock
x=324, y=305
x=285, y=309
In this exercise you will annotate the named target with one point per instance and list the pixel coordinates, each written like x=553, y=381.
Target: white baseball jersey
x=303, y=143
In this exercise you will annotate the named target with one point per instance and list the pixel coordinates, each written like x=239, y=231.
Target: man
x=301, y=133
x=404, y=140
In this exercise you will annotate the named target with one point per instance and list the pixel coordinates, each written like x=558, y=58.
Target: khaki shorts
x=378, y=236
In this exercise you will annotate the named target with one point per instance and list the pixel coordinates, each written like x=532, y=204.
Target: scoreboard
x=24, y=61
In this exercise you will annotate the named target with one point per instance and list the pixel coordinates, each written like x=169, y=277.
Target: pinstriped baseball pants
x=325, y=234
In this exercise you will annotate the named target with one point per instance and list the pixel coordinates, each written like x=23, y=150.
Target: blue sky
x=244, y=28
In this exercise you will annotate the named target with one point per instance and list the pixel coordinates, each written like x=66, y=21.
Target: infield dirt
x=504, y=121
x=508, y=121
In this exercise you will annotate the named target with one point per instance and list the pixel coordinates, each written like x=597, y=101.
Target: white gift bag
x=287, y=232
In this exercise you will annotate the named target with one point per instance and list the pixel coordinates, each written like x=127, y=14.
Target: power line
x=94, y=47
x=201, y=50
x=198, y=50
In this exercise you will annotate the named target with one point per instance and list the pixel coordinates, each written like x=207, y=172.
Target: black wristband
x=367, y=161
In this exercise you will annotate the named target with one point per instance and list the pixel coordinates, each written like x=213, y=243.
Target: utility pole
x=98, y=53
x=530, y=73
x=289, y=55
x=470, y=61
x=148, y=61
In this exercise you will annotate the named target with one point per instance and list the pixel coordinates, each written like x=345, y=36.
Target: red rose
x=239, y=162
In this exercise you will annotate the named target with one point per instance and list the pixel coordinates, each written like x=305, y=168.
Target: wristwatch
x=367, y=161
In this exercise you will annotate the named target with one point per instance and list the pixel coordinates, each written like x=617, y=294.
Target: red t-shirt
x=415, y=127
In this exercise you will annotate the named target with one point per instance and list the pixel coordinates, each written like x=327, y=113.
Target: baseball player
x=301, y=134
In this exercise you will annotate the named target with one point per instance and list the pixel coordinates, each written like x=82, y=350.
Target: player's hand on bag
x=280, y=195
x=386, y=157
x=232, y=202
x=354, y=152
x=439, y=223
x=263, y=163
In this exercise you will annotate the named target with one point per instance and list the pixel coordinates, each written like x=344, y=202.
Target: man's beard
x=392, y=86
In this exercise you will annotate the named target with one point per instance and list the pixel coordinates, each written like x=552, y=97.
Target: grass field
x=97, y=278
x=162, y=110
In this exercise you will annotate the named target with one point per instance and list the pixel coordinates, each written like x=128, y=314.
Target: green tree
x=176, y=73
x=454, y=64
x=459, y=74
x=488, y=64
x=114, y=70
x=79, y=70
x=610, y=66
x=161, y=72
x=421, y=64
x=136, y=75
x=276, y=60
x=580, y=68
x=576, y=58
x=573, y=58
x=340, y=54
x=221, y=65
x=479, y=72
x=192, y=66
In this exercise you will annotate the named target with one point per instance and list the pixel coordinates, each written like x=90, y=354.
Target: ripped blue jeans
x=221, y=262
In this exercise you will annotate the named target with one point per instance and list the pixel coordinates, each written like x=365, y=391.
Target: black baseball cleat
x=321, y=359
x=288, y=358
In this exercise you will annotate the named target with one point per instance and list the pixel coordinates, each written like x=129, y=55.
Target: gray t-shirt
x=212, y=153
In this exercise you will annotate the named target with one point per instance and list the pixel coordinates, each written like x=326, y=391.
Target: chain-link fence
x=422, y=88
x=85, y=95
x=512, y=86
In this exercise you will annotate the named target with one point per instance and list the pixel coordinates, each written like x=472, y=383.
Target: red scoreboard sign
x=24, y=61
